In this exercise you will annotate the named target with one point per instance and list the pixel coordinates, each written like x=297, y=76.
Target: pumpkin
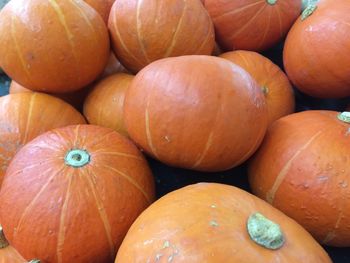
x=196, y=112
x=76, y=98
x=145, y=31
x=105, y=103
x=213, y=223
x=302, y=168
x=252, y=24
x=7, y=252
x=26, y=115
x=76, y=200
x=113, y=66
x=103, y=7
x=52, y=46
x=314, y=50
x=276, y=87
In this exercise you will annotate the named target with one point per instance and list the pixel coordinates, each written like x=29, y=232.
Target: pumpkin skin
x=103, y=7
x=62, y=47
x=320, y=42
x=113, y=66
x=105, y=103
x=75, y=99
x=252, y=24
x=76, y=214
x=303, y=170
x=7, y=252
x=137, y=41
x=196, y=112
x=276, y=87
x=26, y=115
x=217, y=232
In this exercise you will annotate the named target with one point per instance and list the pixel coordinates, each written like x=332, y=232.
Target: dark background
x=169, y=178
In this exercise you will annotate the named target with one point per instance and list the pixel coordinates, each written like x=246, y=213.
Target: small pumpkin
x=314, y=50
x=105, y=103
x=74, y=201
x=252, y=24
x=302, y=168
x=75, y=99
x=103, y=7
x=196, y=112
x=24, y=116
x=52, y=46
x=273, y=81
x=7, y=252
x=145, y=31
x=213, y=223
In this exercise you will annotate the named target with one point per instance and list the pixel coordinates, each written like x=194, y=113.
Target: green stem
x=308, y=7
x=34, y=261
x=77, y=158
x=344, y=116
x=271, y=2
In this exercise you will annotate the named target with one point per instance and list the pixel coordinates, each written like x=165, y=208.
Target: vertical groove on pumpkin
x=177, y=30
x=130, y=180
x=207, y=37
x=332, y=234
x=206, y=149
x=279, y=21
x=238, y=10
x=148, y=132
x=61, y=229
x=138, y=31
x=102, y=213
x=270, y=195
x=29, y=117
x=126, y=155
x=267, y=29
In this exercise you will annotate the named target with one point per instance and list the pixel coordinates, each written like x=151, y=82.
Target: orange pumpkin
x=145, y=31
x=7, y=253
x=26, y=115
x=196, y=112
x=75, y=201
x=252, y=24
x=103, y=7
x=113, y=66
x=276, y=87
x=105, y=103
x=76, y=98
x=216, y=223
x=52, y=46
x=314, y=50
x=302, y=168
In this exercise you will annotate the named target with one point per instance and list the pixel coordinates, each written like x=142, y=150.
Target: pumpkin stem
x=34, y=261
x=344, y=116
x=265, y=90
x=271, y=2
x=306, y=3
x=77, y=158
x=3, y=241
x=310, y=8
x=264, y=232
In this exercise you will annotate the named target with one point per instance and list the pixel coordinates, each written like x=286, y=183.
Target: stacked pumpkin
x=150, y=77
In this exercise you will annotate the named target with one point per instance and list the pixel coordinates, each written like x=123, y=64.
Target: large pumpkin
x=103, y=7
x=26, y=115
x=196, y=112
x=302, y=168
x=252, y=24
x=52, y=46
x=74, y=201
x=314, y=53
x=105, y=103
x=216, y=223
x=271, y=79
x=145, y=31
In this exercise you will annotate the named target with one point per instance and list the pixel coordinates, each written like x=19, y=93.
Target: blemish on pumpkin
x=158, y=256
x=213, y=206
x=148, y=242
x=167, y=138
x=214, y=223
x=166, y=244
x=343, y=184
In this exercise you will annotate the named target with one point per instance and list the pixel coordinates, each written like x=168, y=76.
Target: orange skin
x=103, y=7
x=10, y=255
x=105, y=103
x=251, y=24
x=206, y=222
x=302, y=169
x=186, y=29
x=314, y=51
x=274, y=83
x=196, y=112
x=26, y=115
x=67, y=214
x=76, y=98
x=113, y=66
x=61, y=46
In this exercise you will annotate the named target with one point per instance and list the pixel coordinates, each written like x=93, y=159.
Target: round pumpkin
x=302, y=168
x=214, y=223
x=8, y=253
x=314, y=52
x=103, y=7
x=26, y=115
x=52, y=46
x=196, y=112
x=113, y=66
x=76, y=98
x=145, y=31
x=252, y=24
x=105, y=103
x=276, y=87
x=74, y=201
